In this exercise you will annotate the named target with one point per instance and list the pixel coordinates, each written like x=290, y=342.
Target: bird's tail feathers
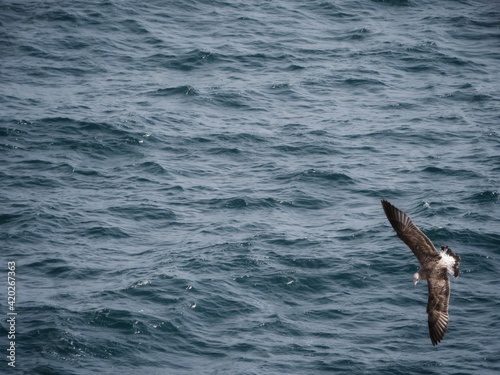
x=456, y=264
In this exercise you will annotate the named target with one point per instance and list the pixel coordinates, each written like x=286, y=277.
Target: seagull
x=434, y=267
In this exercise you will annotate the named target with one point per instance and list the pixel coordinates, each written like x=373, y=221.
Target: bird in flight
x=434, y=267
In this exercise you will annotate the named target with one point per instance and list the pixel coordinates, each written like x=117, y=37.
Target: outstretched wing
x=417, y=241
x=437, y=306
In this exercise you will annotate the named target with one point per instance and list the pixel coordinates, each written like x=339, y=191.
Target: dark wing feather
x=417, y=241
x=437, y=306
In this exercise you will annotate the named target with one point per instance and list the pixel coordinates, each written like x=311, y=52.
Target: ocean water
x=193, y=187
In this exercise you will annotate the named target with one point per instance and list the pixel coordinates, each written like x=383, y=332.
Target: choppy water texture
x=193, y=187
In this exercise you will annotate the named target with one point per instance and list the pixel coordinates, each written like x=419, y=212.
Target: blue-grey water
x=193, y=187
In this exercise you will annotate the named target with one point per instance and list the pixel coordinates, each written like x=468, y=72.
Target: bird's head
x=416, y=278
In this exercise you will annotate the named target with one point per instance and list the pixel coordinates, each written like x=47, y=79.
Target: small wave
x=487, y=196
x=144, y=212
x=312, y=174
x=395, y=2
x=185, y=90
x=307, y=149
x=363, y=82
x=224, y=151
x=141, y=283
x=186, y=62
x=355, y=35
x=232, y=99
x=102, y=232
x=295, y=67
x=242, y=202
x=153, y=168
x=446, y=171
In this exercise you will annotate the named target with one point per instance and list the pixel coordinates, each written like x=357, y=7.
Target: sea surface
x=193, y=187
